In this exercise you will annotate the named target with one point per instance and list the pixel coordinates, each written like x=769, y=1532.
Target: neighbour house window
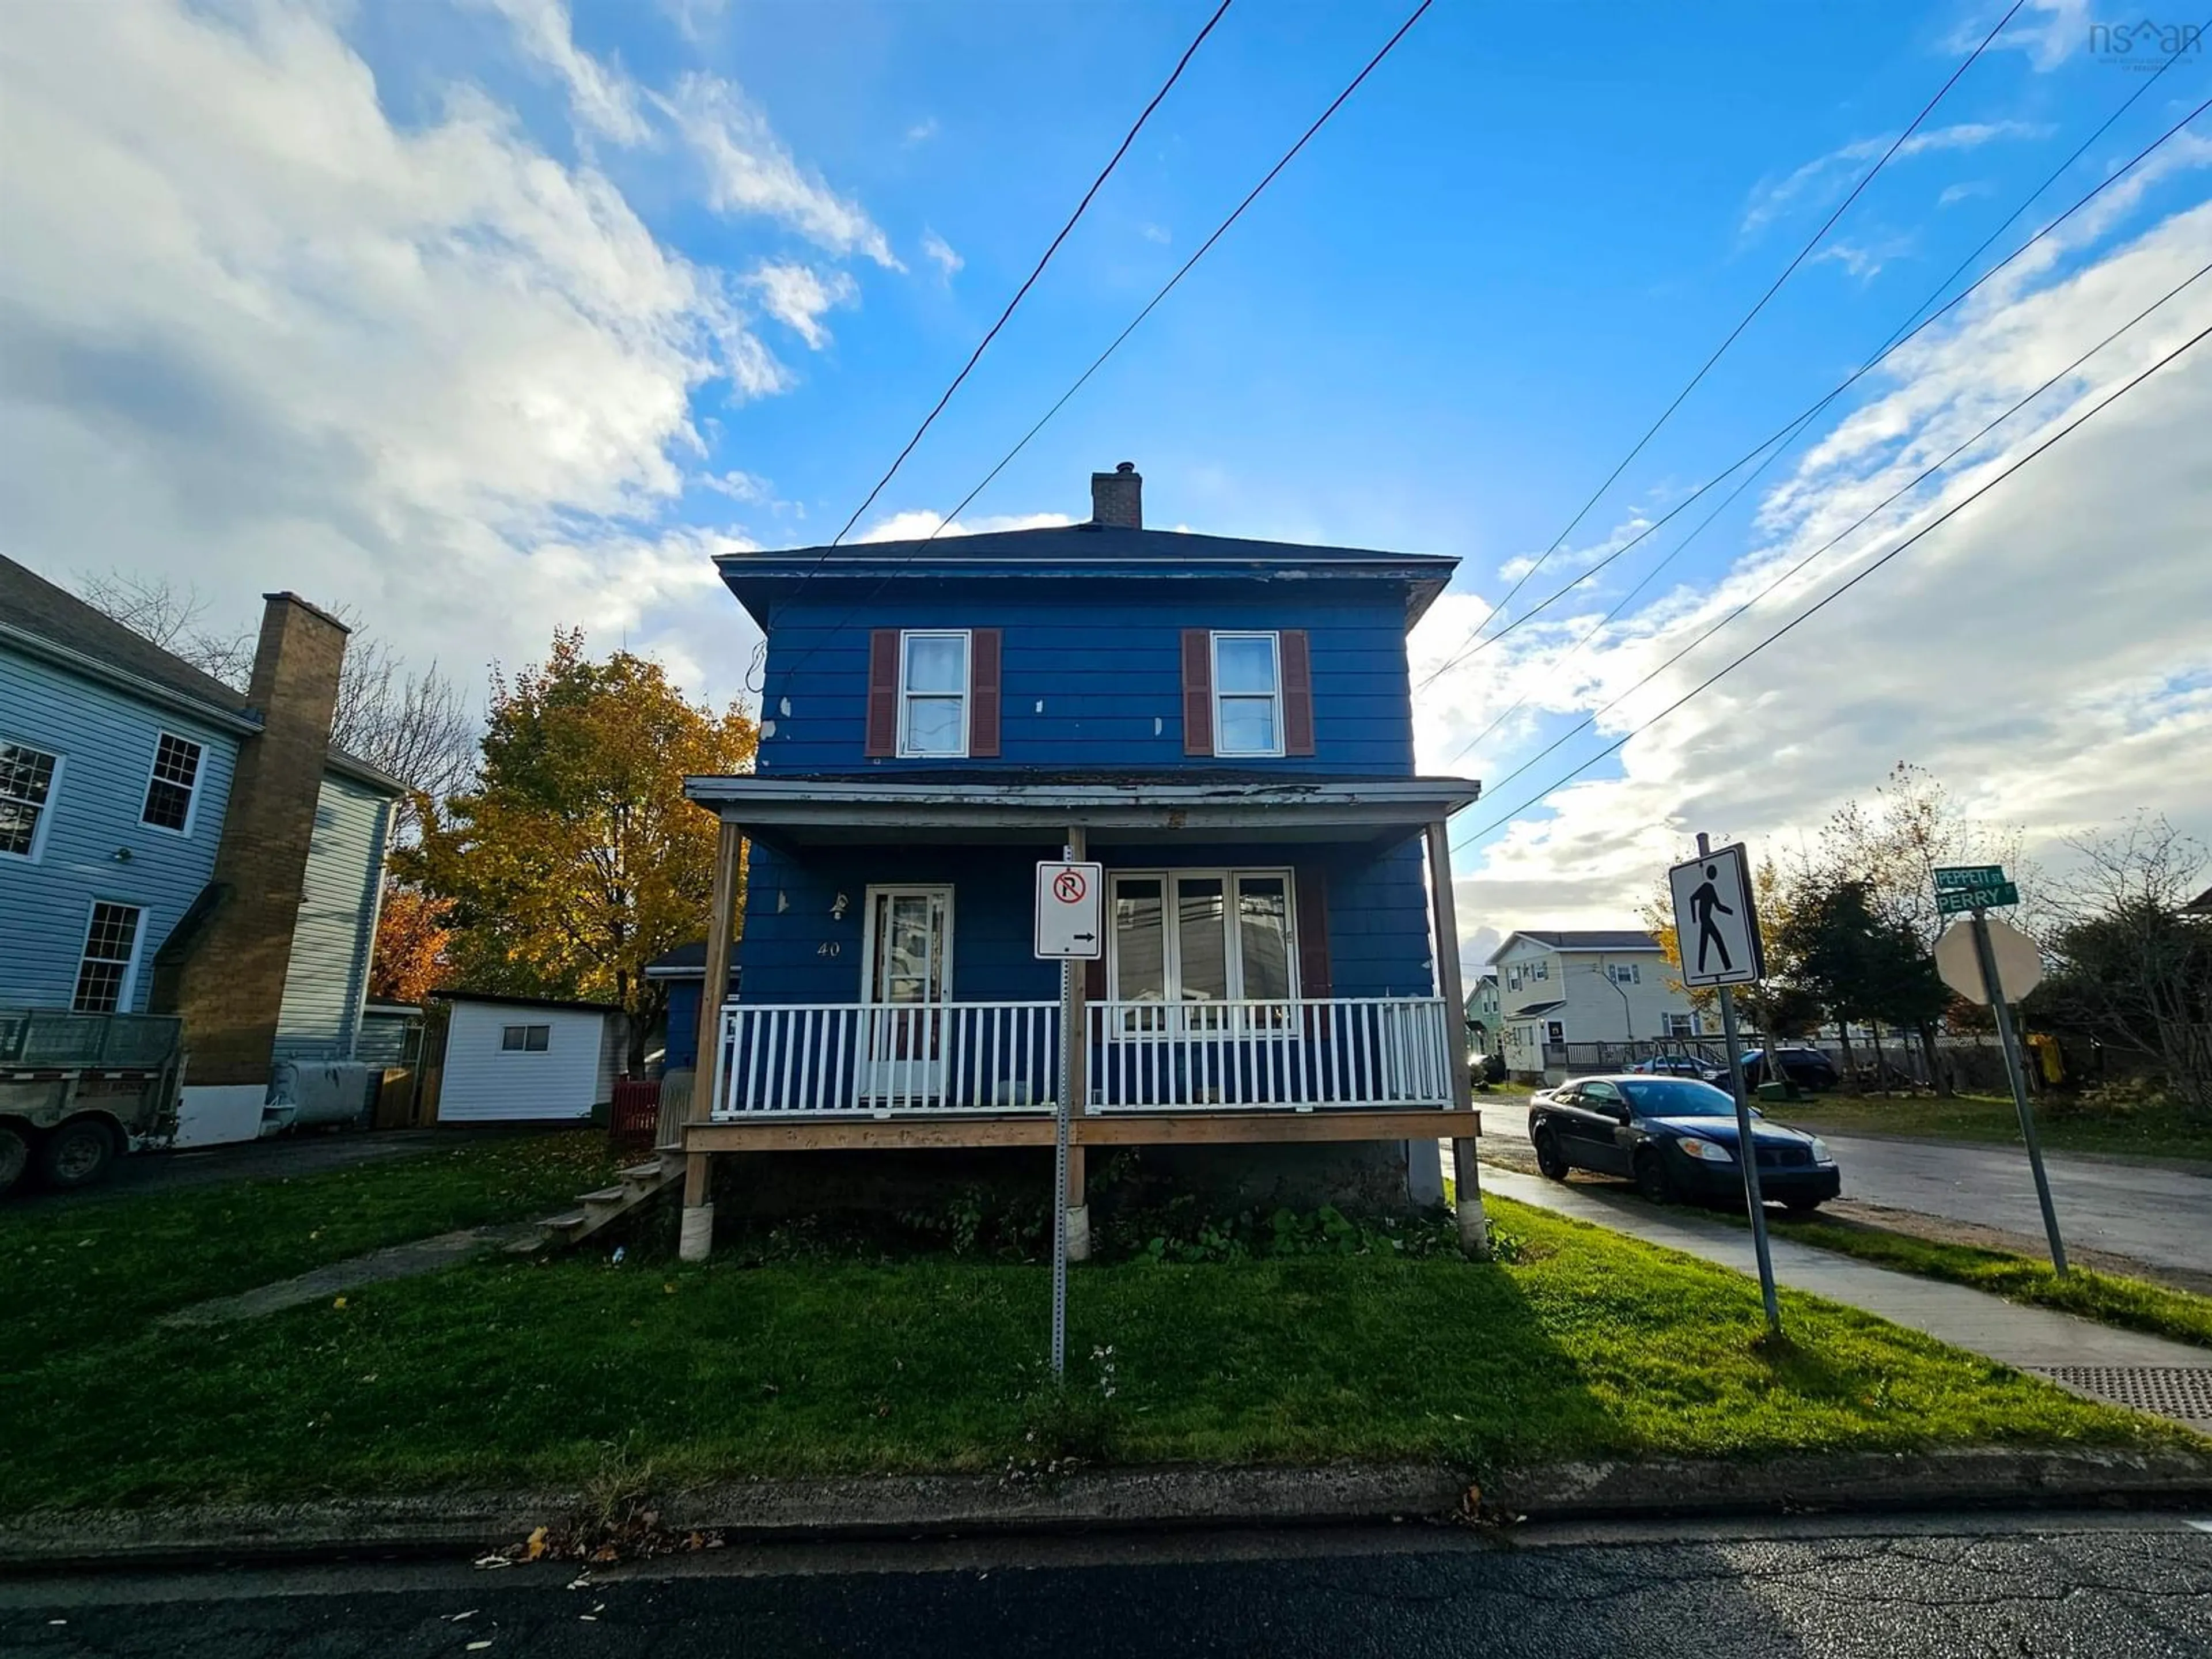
x=175, y=779
x=1542, y=971
x=934, y=693
x=1555, y=1032
x=1247, y=694
x=524, y=1039
x=26, y=784
x=1200, y=936
x=1679, y=1025
x=1623, y=973
x=111, y=953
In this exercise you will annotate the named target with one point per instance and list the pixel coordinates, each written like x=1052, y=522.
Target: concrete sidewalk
x=2170, y=1379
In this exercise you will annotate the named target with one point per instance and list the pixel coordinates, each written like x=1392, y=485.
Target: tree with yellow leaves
x=575, y=859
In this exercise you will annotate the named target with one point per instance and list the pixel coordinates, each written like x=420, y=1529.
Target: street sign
x=1950, y=902
x=1964, y=877
x=1716, y=924
x=1070, y=911
x=2019, y=966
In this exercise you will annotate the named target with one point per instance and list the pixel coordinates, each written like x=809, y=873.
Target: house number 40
x=828, y=948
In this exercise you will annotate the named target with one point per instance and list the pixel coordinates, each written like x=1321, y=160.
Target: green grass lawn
x=509, y=1373
x=2132, y=1305
x=1991, y=1117
x=82, y=1275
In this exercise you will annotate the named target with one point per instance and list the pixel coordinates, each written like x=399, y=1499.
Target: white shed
x=525, y=1059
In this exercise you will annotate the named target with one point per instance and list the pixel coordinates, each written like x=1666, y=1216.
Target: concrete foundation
x=696, y=1242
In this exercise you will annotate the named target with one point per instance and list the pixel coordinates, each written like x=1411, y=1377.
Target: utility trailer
x=78, y=1091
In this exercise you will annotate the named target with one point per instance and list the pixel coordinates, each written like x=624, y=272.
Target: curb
x=1180, y=1497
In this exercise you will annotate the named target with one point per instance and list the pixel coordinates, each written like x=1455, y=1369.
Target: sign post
x=1979, y=977
x=1070, y=913
x=1717, y=935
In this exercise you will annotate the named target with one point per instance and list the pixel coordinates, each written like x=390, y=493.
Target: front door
x=910, y=977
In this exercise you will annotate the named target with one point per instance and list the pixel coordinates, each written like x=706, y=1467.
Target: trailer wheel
x=77, y=1154
x=14, y=1157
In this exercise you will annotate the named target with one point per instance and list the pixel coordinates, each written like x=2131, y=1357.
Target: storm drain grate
x=2177, y=1391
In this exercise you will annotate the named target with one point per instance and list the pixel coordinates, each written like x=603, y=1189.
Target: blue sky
x=484, y=317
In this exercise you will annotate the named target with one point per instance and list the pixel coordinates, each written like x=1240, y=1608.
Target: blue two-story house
x=171, y=845
x=1225, y=725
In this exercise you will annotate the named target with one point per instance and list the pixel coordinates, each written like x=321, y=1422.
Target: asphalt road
x=2162, y=1216
x=2119, y=1588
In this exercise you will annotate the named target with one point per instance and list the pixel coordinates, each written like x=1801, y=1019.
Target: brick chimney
x=1117, y=498
x=231, y=986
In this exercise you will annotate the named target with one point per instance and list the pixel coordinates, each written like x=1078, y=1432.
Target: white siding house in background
x=519, y=1059
x=327, y=981
x=1592, y=986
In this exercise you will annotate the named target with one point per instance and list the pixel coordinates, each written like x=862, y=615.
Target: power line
x=1218, y=231
x=1780, y=441
x=1709, y=680
x=1803, y=253
x=975, y=357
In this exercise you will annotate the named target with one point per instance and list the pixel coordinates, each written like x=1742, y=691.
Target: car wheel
x=77, y=1154
x=1549, y=1159
x=14, y=1157
x=1652, y=1179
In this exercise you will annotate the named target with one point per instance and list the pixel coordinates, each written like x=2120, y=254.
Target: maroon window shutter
x=1197, y=691
x=1298, y=693
x=883, y=694
x=1312, y=881
x=983, y=689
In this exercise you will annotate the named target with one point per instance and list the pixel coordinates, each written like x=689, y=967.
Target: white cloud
x=921, y=131
x=600, y=97
x=938, y=249
x=1823, y=179
x=797, y=296
x=1155, y=233
x=916, y=523
x=258, y=336
x=749, y=171
x=2044, y=653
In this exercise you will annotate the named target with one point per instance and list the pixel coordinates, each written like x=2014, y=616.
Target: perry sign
x=1716, y=926
x=1070, y=910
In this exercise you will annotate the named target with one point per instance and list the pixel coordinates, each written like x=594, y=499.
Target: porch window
x=1202, y=936
x=934, y=693
x=1248, y=695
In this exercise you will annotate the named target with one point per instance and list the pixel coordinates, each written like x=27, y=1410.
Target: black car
x=1809, y=1068
x=1674, y=1139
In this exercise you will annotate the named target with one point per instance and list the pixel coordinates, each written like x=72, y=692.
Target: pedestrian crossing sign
x=1716, y=919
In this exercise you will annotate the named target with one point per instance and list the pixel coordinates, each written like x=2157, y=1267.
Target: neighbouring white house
x=525, y=1059
x=1483, y=1034
x=1560, y=986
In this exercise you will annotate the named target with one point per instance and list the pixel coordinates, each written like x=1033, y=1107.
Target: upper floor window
x=934, y=693
x=1248, y=695
x=1541, y=971
x=26, y=784
x=175, y=781
x=1623, y=973
x=111, y=953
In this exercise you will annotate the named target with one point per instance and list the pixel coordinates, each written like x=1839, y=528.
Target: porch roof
x=814, y=811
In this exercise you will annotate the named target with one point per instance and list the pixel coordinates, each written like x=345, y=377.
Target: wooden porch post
x=1473, y=1231
x=1079, y=1057
x=697, y=1238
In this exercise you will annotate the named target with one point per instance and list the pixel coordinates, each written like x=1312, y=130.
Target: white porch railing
x=830, y=1059
x=1301, y=1054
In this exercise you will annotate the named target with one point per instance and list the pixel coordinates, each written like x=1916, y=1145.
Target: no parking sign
x=1070, y=905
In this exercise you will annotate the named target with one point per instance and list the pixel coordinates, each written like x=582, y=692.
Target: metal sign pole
x=1061, y=1105
x=1746, y=1147
x=2016, y=1074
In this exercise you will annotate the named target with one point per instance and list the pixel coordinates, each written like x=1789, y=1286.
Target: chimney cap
x=287, y=597
x=1125, y=467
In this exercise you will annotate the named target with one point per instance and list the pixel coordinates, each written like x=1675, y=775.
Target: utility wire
x=1219, y=230
x=1803, y=253
x=1780, y=442
x=1955, y=507
x=975, y=357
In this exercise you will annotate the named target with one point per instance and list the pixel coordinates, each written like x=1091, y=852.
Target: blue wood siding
x=797, y=948
x=106, y=740
x=328, y=975
x=1091, y=680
